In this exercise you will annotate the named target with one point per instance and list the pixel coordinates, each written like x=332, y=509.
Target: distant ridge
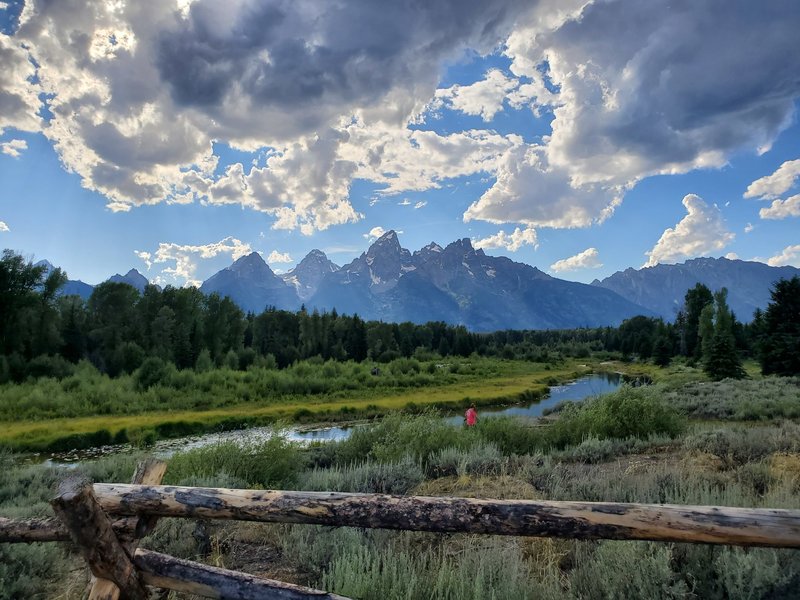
x=662, y=288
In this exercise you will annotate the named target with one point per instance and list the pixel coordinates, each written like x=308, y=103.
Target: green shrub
x=398, y=435
x=275, y=462
x=512, y=435
x=50, y=366
x=152, y=372
x=628, y=412
x=482, y=458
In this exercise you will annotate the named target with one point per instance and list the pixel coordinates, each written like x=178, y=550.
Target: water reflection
x=575, y=391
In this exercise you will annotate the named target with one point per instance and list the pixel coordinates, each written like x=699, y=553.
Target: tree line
x=43, y=333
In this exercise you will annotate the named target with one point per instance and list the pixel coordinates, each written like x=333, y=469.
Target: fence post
x=148, y=472
x=92, y=532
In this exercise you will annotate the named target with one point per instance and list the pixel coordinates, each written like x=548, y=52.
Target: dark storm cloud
x=286, y=54
x=688, y=77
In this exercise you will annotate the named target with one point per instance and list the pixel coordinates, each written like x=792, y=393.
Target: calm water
x=576, y=391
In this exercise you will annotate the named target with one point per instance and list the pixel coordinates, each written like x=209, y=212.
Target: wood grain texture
x=148, y=472
x=92, y=532
x=172, y=573
x=50, y=529
x=580, y=520
x=47, y=529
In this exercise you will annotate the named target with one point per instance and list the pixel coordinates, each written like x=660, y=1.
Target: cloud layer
x=136, y=93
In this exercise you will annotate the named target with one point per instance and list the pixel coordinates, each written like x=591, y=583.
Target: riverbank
x=482, y=381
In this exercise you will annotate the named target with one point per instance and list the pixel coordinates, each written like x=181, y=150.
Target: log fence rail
x=106, y=521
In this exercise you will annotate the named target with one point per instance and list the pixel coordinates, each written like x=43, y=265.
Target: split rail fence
x=106, y=522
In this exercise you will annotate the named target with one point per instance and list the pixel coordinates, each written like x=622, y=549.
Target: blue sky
x=534, y=138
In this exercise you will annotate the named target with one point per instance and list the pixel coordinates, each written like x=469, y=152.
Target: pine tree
x=697, y=298
x=780, y=339
x=720, y=357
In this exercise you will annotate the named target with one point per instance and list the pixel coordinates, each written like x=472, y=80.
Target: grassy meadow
x=684, y=440
x=90, y=409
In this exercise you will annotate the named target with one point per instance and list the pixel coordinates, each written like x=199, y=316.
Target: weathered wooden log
x=47, y=529
x=92, y=532
x=148, y=472
x=50, y=529
x=580, y=520
x=164, y=571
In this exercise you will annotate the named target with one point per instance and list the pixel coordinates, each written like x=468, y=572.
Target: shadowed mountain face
x=662, y=288
x=71, y=287
x=252, y=285
x=309, y=273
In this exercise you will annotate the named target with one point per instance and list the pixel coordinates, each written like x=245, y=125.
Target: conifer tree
x=780, y=334
x=720, y=357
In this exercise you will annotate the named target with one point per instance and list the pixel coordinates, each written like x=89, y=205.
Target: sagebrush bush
x=480, y=459
x=368, y=477
x=625, y=570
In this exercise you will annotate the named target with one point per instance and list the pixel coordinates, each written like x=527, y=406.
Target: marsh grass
x=88, y=408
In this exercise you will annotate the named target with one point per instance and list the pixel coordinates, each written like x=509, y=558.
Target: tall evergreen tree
x=695, y=300
x=780, y=340
x=720, y=357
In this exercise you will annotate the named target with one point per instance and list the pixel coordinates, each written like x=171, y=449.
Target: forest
x=119, y=331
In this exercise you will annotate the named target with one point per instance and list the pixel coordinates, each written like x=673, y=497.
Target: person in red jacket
x=471, y=416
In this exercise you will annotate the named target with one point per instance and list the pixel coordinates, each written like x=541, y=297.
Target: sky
x=581, y=137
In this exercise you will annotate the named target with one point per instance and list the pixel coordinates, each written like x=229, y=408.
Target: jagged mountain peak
x=309, y=272
x=387, y=243
x=254, y=258
x=132, y=278
x=48, y=266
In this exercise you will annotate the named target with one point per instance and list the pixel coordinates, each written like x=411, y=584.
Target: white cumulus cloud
x=3, y=227
x=184, y=258
x=420, y=204
x=776, y=184
x=374, y=233
x=588, y=259
x=788, y=256
x=782, y=209
x=13, y=147
x=511, y=242
x=700, y=232
x=483, y=98
x=279, y=257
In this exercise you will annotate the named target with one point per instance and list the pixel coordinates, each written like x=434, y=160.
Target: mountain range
x=662, y=288
x=76, y=287
x=456, y=284
x=460, y=284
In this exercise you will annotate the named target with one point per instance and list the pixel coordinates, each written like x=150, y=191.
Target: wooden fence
x=106, y=521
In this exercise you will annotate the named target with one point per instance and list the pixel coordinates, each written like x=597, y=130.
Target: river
x=575, y=391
